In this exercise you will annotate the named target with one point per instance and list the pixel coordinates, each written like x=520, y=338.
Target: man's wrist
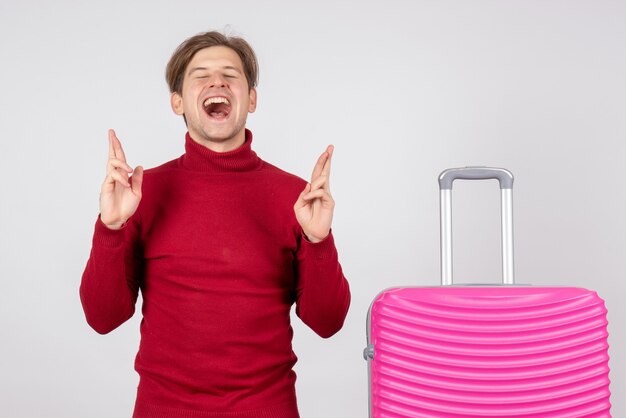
x=313, y=239
x=113, y=226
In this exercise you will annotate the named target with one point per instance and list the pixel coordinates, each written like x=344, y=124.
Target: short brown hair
x=175, y=71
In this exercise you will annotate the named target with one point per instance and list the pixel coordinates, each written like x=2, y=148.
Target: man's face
x=215, y=98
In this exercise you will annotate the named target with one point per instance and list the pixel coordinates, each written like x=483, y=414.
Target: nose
x=217, y=80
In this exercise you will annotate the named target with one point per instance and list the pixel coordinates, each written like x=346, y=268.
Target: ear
x=176, y=100
x=252, y=105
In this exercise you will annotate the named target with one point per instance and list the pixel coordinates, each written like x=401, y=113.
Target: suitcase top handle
x=446, y=178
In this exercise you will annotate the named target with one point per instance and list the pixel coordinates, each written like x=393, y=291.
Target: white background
x=404, y=89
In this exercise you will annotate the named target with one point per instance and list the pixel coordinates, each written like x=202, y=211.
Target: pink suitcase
x=487, y=350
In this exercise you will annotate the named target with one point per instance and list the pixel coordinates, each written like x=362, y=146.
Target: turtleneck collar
x=199, y=158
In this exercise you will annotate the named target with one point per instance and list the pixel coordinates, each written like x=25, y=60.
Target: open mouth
x=217, y=107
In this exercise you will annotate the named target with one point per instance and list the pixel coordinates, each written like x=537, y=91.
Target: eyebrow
x=226, y=67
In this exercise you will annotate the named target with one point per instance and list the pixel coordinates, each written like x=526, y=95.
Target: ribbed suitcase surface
x=480, y=351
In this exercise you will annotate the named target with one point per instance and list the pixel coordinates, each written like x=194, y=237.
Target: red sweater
x=219, y=258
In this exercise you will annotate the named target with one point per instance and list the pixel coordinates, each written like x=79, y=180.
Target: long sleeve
x=322, y=291
x=220, y=259
x=110, y=282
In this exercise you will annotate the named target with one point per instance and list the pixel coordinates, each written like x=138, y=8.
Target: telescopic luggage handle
x=446, y=178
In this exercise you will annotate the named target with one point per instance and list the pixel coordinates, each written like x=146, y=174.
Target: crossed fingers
x=320, y=178
x=117, y=168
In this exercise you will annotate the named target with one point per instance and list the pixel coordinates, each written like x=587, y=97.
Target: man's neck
x=229, y=144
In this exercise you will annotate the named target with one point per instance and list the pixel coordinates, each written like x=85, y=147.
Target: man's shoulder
x=162, y=176
x=163, y=168
x=282, y=175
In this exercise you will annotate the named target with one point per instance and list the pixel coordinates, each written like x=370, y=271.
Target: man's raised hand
x=315, y=205
x=120, y=195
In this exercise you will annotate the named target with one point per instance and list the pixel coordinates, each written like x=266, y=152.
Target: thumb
x=301, y=202
x=136, y=180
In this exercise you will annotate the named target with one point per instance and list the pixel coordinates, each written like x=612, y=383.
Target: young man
x=221, y=245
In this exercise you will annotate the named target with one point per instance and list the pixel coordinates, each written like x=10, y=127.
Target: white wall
x=404, y=89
